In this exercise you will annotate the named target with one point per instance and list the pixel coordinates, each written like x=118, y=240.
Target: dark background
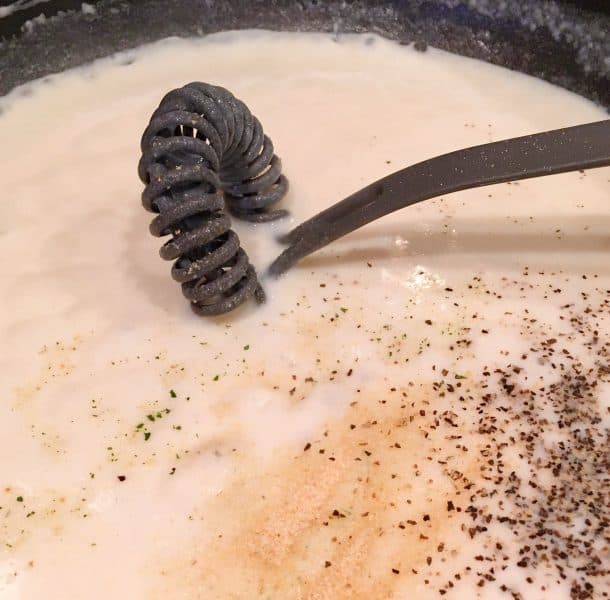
x=525, y=35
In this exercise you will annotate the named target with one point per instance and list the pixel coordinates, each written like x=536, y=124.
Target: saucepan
x=564, y=42
x=131, y=352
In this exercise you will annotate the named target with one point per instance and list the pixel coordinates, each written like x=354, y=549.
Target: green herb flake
x=216, y=377
x=172, y=393
x=343, y=309
x=19, y=498
x=150, y=417
x=139, y=425
x=146, y=436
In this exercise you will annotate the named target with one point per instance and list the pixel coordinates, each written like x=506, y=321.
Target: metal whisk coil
x=205, y=155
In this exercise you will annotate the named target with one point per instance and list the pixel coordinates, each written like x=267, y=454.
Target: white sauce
x=221, y=500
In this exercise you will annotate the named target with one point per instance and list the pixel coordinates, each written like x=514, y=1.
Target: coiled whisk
x=202, y=142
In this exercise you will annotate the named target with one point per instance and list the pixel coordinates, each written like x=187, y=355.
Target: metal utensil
x=558, y=151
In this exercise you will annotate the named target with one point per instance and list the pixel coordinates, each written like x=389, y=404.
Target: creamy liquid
x=420, y=410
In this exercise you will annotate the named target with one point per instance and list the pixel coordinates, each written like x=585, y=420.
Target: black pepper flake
x=121, y=477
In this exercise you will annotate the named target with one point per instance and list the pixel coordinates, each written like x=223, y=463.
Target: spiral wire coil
x=205, y=155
